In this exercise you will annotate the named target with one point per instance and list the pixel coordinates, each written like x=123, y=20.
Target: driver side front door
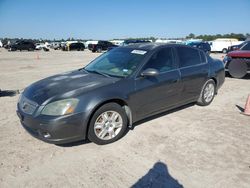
x=161, y=92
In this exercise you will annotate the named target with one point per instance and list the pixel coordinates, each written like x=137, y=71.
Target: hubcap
x=209, y=92
x=108, y=125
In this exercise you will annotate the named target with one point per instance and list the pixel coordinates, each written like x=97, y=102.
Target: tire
x=102, y=129
x=237, y=68
x=224, y=50
x=207, y=93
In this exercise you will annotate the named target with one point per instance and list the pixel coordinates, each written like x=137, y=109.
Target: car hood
x=239, y=53
x=66, y=85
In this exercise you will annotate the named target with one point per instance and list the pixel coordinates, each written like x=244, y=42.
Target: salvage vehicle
x=122, y=86
x=22, y=45
x=100, y=46
x=237, y=63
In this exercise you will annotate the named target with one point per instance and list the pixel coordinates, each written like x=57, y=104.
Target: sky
x=109, y=19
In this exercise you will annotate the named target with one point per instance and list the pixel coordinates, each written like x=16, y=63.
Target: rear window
x=188, y=56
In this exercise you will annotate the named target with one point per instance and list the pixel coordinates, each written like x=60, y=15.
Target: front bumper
x=55, y=130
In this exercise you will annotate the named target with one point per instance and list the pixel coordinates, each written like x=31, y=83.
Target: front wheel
x=108, y=124
x=207, y=93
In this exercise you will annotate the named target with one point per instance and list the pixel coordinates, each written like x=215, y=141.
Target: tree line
x=238, y=36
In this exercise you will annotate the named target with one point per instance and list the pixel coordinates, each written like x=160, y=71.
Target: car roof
x=151, y=46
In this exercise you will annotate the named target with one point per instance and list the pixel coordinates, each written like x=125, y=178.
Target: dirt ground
x=192, y=147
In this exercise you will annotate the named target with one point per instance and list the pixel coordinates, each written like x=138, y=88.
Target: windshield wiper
x=97, y=72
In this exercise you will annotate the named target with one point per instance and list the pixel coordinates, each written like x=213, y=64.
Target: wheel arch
x=119, y=101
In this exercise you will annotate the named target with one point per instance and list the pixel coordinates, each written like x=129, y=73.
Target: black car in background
x=100, y=46
x=201, y=45
x=22, y=45
x=78, y=46
x=117, y=89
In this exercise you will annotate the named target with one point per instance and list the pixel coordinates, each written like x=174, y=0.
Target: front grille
x=27, y=106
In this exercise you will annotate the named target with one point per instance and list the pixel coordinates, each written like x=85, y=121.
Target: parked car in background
x=117, y=42
x=100, y=46
x=78, y=46
x=237, y=63
x=201, y=45
x=117, y=89
x=22, y=45
x=133, y=41
x=42, y=46
x=55, y=45
x=130, y=42
x=222, y=44
x=237, y=47
x=1, y=44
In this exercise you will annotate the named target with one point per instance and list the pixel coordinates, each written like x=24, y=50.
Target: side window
x=188, y=56
x=162, y=60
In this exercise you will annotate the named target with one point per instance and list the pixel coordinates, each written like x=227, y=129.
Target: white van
x=1, y=44
x=222, y=44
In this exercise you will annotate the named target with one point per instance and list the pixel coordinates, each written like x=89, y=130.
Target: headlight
x=60, y=108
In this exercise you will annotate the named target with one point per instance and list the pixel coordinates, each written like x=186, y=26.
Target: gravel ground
x=190, y=147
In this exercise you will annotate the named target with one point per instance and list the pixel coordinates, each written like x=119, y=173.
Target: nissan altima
x=122, y=86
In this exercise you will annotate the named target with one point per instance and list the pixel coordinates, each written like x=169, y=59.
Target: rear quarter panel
x=217, y=71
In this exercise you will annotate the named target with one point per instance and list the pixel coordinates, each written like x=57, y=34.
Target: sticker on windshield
x=140, y=52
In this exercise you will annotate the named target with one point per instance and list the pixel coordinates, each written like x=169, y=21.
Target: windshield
x=119, y=62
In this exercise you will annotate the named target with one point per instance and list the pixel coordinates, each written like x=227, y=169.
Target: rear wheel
x=108, y=124
x=207, y=93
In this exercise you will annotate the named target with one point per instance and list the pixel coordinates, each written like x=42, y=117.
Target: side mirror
x=150, y=72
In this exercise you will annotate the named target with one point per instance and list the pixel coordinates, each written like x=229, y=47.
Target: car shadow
x=161, y=115
x=157, y=177
x=77, y=143
x=9, y=93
